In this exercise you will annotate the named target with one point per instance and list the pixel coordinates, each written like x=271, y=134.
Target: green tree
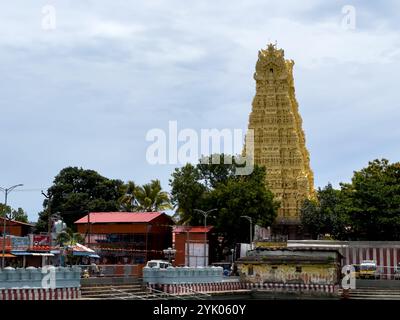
x=17, y=215
x=216, y=169
x=215, y=186
x=325, y=215
x=76, y=191
x=187, y=192
x=69, y=238
x=239, y=196
x=373, y=201
x=367, y=208
x=151, y=198
x=128, y=201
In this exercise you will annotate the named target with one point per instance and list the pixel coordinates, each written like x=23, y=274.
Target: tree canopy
x=146, y=198
x=76, y=192
x=367, y=208
x=215, y=186
x=17, y=215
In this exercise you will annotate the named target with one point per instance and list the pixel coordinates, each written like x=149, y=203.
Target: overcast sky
x=87, y=92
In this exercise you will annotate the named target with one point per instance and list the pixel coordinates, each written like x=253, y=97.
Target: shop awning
x=21, y=253
x=37, y=254
x=84, y=254
x=7, y=255
x=82, y=251
x=80, y=248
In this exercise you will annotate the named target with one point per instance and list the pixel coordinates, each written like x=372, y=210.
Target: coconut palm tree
x=69, y=238
x=150, y=197
x=128, y=201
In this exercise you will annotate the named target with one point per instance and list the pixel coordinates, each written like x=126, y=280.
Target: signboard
x=39, y=242
x=8, y=244
x=19, y=243
x=271, y=244
x=244, y=247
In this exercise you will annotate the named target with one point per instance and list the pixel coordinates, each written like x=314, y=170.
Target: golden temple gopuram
x=279, y=141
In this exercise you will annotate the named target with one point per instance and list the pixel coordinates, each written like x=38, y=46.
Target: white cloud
x=112, y=29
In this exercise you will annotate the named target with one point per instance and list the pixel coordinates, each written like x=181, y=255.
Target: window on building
x=250, y=271
x=298, y=269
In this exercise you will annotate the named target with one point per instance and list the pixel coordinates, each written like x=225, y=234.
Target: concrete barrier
x=47, y=278
x=178, y=275
x=118, y=270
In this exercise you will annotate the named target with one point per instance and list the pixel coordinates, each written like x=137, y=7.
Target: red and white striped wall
x=185, y=288
x=233, y=286
x=386, y=258
x=40, y=294
x=294, y=287
x=385, y=253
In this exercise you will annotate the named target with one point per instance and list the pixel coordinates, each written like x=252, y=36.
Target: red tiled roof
x=15, y=222
x=119, y=217
x=194, y=229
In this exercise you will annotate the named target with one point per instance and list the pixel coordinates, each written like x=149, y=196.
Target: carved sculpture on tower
x=279, y=141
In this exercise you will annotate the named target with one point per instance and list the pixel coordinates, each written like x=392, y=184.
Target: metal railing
x=191, y=295
x=198, y=294
x=131, y=295
x=162, y=294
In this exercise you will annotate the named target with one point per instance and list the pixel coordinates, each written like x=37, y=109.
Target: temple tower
x=279, y=141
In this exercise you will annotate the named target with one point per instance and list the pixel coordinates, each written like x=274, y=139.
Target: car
x=368, y=270
x=158, y=264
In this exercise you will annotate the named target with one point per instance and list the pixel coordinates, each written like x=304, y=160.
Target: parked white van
x=158, y=264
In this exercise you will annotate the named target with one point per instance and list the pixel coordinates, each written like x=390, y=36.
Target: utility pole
x=89, y=229
x=48, y=197
x=205, y=214
x=188, y=245
x=6, y=192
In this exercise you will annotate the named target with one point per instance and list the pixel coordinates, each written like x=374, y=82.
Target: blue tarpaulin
x=85, y=254
x=21, y=253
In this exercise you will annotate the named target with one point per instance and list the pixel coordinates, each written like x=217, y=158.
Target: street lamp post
x=6, y=192
x=170, y=253
x=251, y=229
x=205, y=214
